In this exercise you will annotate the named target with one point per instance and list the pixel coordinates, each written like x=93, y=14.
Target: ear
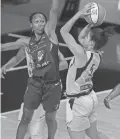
x=92, y=43
x=31, y=25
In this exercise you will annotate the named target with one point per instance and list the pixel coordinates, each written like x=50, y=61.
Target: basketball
x=98, y=14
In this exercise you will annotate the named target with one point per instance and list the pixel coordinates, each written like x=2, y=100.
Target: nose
x=40, y=24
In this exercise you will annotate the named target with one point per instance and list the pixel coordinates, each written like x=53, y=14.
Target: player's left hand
x=106, y=103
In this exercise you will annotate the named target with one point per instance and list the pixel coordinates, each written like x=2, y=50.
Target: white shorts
x=82, y=112
x=37, y=124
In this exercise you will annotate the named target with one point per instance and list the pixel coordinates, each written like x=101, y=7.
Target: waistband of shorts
x=79, y=94
x=41, y=79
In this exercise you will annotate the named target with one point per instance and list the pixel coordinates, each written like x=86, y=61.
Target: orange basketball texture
x=97, y=16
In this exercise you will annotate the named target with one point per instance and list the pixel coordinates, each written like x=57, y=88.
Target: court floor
x=108, y=120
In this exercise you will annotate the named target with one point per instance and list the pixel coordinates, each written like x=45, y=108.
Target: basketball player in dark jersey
x=43, y=64
x=36, y=127
x=116, y=90
x=81, y=99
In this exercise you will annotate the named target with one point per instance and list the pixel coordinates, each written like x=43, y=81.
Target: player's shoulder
x=52, y=36
x=24, y=41
x=97, y=57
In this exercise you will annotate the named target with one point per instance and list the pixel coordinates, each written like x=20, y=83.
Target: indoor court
x=108, y=120
x=15, y=25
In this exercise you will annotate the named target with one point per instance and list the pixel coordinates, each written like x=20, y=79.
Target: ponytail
x=101, y=36
x=108, y=31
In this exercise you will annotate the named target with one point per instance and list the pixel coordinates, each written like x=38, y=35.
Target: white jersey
x=80, y=79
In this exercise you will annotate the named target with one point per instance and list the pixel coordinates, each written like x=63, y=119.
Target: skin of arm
x=115, y=92
x=62, y=62
x=14, y=45
x=53, y=16
x=68, y=38
x=52, y=22
x=75, y=48
x=84, y=32
x=14, y=61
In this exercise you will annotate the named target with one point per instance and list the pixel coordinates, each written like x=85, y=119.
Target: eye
x=42, y=21
x=36, y=22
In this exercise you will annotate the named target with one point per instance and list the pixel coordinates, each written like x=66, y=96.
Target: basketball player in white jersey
x=116, y=90
x=82, y=101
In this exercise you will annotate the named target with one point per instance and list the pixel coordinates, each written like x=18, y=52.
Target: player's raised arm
x=84, y=32
x=14, y=45
x=68, y=38
x=53, y=17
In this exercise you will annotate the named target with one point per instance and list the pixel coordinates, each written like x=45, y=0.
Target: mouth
x=39, y=30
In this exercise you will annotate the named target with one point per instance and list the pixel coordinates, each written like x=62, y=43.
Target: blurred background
x=14, y=19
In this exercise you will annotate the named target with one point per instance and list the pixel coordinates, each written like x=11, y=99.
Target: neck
x=38, y=36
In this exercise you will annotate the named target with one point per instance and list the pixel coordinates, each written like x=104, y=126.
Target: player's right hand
x=106, y=103
x=3, y=71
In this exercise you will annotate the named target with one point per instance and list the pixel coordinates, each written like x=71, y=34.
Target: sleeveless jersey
x=42, y=59
x=79, y=80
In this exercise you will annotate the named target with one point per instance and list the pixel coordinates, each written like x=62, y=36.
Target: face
x=87, y=43
x=38, y=23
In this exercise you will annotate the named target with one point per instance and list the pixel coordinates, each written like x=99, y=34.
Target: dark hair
x=35, y=13
x=101, y=36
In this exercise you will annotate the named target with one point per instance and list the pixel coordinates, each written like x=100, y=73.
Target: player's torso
x=42, y=58
x=80, y=79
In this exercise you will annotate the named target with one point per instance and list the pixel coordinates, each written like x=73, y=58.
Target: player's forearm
x=67, y=27
x=54, y=9
x=11, y=63
x=54, y=6
x=8, y=46
x=115, y=92
x=63, y=65
x=84, y=32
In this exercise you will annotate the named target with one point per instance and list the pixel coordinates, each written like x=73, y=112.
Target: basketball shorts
x=37, y=92
x=81, y=112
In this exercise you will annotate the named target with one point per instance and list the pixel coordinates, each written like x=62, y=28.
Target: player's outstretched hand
x=2, y=72
x=106, y=103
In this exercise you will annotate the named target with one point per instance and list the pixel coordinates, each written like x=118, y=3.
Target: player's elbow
x=63, y=32
x=63, y=65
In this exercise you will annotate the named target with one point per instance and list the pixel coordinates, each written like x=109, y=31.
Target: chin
x=39, y=32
